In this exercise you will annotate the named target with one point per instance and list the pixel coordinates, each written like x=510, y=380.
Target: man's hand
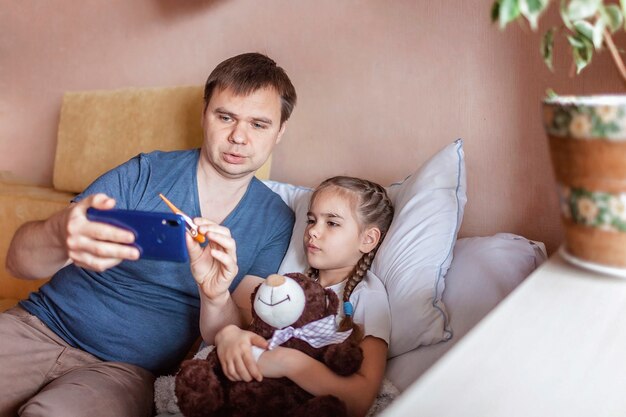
x=213, y=266
x=94, y=245
x=234, y=350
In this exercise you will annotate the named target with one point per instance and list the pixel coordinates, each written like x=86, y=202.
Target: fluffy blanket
x=165, y=400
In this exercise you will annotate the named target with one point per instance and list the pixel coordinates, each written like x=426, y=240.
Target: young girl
x=347, y=220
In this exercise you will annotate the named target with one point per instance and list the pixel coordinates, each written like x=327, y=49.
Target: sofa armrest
x=20, y=204
x=7, y=303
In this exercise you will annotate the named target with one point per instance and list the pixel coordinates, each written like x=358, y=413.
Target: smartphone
x=158, y=236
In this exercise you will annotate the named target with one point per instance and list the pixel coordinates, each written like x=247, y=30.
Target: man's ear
x=370, y=239
x=280, y=132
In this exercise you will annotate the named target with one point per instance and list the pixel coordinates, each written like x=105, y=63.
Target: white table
x=555, y=347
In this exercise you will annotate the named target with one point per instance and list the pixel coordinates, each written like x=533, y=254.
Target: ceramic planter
x=587, y=137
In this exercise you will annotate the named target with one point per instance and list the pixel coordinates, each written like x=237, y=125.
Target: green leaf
x=598, y=33
x=532, y=9
x=583, y=28
x=508, y=11
x=576, y=41
x=547, y=43
x=495, y=11
x=582, y=9
x=582, y=51
x=612, y=16
x=564, y=17
x=550, y=93
x=537, y=6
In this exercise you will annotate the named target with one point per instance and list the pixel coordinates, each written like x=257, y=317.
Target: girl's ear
x=369, y=239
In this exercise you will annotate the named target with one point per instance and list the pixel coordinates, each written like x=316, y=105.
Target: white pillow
x=483, y=272
x=416, y=254
x=297, y=198
x=414, y=257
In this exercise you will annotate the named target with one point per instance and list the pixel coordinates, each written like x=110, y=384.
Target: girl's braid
x=373, y=208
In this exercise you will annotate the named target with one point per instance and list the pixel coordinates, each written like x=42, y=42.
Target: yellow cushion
x=263, y=173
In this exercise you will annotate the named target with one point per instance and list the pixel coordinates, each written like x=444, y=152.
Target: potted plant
x=587, y=135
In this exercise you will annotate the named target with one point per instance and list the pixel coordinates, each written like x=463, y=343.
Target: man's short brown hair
x=246, y=73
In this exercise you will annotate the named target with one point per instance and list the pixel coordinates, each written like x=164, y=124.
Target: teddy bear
x=285, y=310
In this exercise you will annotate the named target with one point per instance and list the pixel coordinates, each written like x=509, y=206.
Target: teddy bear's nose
x=275, y=280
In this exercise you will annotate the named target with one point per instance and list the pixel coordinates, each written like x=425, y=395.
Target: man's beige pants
x=41, y=375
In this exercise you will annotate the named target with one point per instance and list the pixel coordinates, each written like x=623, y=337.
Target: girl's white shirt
x=371, y=306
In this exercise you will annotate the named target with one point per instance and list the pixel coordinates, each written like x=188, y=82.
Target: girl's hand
x=234, y=350
x=214, y=266
x=279, y=362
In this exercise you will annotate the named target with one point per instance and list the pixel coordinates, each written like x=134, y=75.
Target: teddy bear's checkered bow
x=318, y=333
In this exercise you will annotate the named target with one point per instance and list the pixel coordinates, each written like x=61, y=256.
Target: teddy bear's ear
x=332, y=302
x=253, y=295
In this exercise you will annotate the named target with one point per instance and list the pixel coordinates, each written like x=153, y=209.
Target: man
x=90, y=341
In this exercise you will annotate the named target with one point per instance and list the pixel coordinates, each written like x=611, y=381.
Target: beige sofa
x=99, y=130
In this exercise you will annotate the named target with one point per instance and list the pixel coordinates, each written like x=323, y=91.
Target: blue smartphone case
x=158, y=236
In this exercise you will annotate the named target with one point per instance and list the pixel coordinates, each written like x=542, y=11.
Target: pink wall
x=382, y=85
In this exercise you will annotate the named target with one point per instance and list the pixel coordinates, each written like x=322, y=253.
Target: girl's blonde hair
x=372, y=207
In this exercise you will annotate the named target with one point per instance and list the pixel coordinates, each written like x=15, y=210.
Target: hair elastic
x=347, y=308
